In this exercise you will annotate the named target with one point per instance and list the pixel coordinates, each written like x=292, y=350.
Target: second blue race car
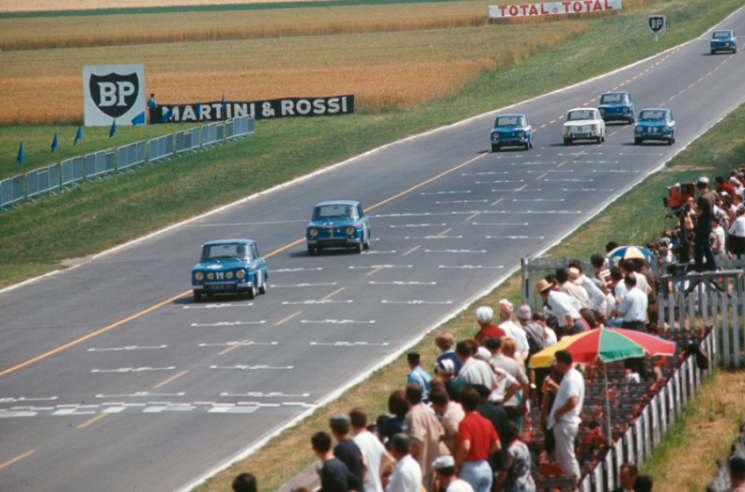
x=338, y=224
x=616, y=106
x=655, y=124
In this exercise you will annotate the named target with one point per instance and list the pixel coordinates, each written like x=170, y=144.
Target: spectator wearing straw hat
x=563, y=306
x=484, y=315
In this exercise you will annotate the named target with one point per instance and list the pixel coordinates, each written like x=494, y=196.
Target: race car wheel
x=631, y=120
x=495, y=147
x=734, y=51
x=358, y=248
x=601, y=140
x=670, y=141
x=366, y=244
x=713, y=51
x=197, y=296
x=311, y=250
x=251, y=293
x=567, y=141
x=530, y=144
x=262, y=289
x=637, y=141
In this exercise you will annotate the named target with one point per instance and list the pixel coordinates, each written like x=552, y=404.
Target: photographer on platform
x=704, y=209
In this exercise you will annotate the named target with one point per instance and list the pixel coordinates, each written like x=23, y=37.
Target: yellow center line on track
x=615, y=88
x=233, y=347
x=557, y=167
x=628, y=81
x=333, y=293
x=497, y=201
x=671, y=98
x=725, y=61
x=621, y=84
x=543, y=126
x=412, y=250
x=635, y=77
x=183, y=294
x=287, y=318
x=94, y=419
x=172, y=378
x=717, y=67
x=522, y=187
x=613, y=133
x=681, y=92
x=552, y=122
x=374, y=271
x=593, y=99
x=585, y=104
x=17, y=458
x=444, y=232
x=542, y=175
x=472, y=216
x=691, y=85
x=708, y=74
x=561, y=117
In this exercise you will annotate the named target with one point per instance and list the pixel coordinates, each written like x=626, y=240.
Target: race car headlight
x=566, y=129
x=314, y=232
x=521, y=134
x=602, y=110
x=595, y=128
x=665, y=130
x=638, y=129
x=625, y=110
x=240, y=274
x=199, y=276
x=229, y=275
x=210, y=276
x=350, y=231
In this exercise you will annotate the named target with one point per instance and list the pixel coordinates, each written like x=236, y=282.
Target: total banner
x=260, y=110
x=553, y=8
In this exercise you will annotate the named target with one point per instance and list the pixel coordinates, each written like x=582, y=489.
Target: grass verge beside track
x=709, y=424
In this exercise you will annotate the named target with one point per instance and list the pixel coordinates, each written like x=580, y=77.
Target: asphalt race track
x=129, y=385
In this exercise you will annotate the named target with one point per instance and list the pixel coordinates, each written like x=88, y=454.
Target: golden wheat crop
x=52, y=5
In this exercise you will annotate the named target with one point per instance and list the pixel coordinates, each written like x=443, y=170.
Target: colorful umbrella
x=631, y=252
x=606, y=345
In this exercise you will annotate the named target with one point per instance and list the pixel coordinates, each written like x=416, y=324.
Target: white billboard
x=553, y=8
x=114, y=92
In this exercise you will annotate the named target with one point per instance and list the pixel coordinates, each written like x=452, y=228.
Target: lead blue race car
x=655, y=124
x=511, y=130
x=338, y=224
x=229, y=266
x=723, y=41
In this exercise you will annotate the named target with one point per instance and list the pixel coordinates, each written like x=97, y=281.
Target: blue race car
x=338, y=224
x=655, y=124
x=229, y=266
x=511, y=130
x=723, y=41
x=617, y=106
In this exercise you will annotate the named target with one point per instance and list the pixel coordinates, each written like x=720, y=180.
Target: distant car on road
x=511, y=130
x=723, y=41
x=338, y=224
x=584, y=124
x=229, y=266
x=616, y=106
x=655, y=124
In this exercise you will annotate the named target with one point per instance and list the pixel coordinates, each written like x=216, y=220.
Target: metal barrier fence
x=187, y=140
x=239, y=127
x=72, y=171
x=130, y=155
x=44, y=180
x=100, y=163
x=209, y=134
x=160, y=147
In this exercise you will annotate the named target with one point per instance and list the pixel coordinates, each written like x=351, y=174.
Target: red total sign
x=553, y=8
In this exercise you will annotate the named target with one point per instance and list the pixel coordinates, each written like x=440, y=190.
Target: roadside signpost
x=656, y=24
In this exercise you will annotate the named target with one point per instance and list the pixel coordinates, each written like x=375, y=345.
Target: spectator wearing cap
x=512, y=330
x=245, y=482
x=484, y=315
x=453, y=383
x=398, y=407
x=535, y=331
x=445, y=341
x=597, y=297
x=643, y=483
x=407, y=475
x=723, y=186
x=563, y=306
x=498, y=360
x=418, y=375
x=736, y=474
x=518, y=476
x=476, y=440
x=374, y=456
x=567, y=287
x=737, y=233
x=450, y=414
x=425, y=432
x=566, y=412
x=346, y=449
x=627, y=477
x=473, y=370
x=334, y=474
x=704, y=210
x=444, y=468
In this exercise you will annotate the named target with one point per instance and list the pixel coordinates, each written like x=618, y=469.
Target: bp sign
x=113, y=92
x=656, y=24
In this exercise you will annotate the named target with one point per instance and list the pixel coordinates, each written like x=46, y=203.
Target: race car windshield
x=510, y=121
x=652, y=116
x=613, y=98
x=721, y=34
x=334, y=212
x=581, y=115
x=230, y=251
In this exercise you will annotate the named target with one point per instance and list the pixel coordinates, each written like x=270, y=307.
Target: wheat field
x=54, y=5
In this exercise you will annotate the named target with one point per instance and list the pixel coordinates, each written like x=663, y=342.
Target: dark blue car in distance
x=617, y=106
x=338, y=224
x=724, y=40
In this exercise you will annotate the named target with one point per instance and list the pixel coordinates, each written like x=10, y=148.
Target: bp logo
x=114, y=94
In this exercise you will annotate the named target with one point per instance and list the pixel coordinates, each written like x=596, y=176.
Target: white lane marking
x=552, y=171
x=140, y=394
x=582, y=153
x=353, y=267
x=8, y=414
x=337, y=322
x=72, y=411
x=376, y=252
x=253, y=368
x=461, y=201
x=271, y=394
x=588, y=189
x=231, y=323
x=130, y=347
x=132, y=369
x=500, y=223
x=321, y=301
x=613, y=171
x=445, y=192
x=246, y=409
x=489, y=173
x=453, y=251
x=515, y=237
x=473, y=267
x=511, y=156
x=532, y=163
x=248, y=223
x=402, y=282
x=503, y=181
x=517, y=191
x=230, y=344
x=570, y=180
x=23, y=398
x=595, y=162
x=350, y=344
x=635, y=154
x=538, y=200
x=484, y=212
x=433, y=237
x=415, y=302
x=287, y=270
x=300, y=285
x=393, y=226
x=217, y=306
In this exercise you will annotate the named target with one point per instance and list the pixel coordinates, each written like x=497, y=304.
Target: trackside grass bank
x=39, y=236
x=708, y=425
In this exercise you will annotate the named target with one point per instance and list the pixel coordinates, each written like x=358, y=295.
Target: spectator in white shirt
x=718, y=243
x=374, y=455
x=407, y=476
x=597, y=298
x=737, y=233
x=512, y=330
x=567, y=287
x=473, y=371
x=566, y=413
x=564, y=307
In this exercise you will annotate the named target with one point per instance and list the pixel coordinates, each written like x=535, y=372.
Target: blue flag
x=55, y=142
x=223, y=101
x=199, y=111
x=79, y=135
x=167, y=115
x=20, y=154
x=113, y=128
x=139, y=119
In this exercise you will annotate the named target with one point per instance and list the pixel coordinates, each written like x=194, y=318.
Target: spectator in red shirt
x=484, y=315
x=723, y=185
x=475, y=441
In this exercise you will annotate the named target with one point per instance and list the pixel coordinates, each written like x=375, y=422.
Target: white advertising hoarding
x=113, y=92
x=553, y=8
